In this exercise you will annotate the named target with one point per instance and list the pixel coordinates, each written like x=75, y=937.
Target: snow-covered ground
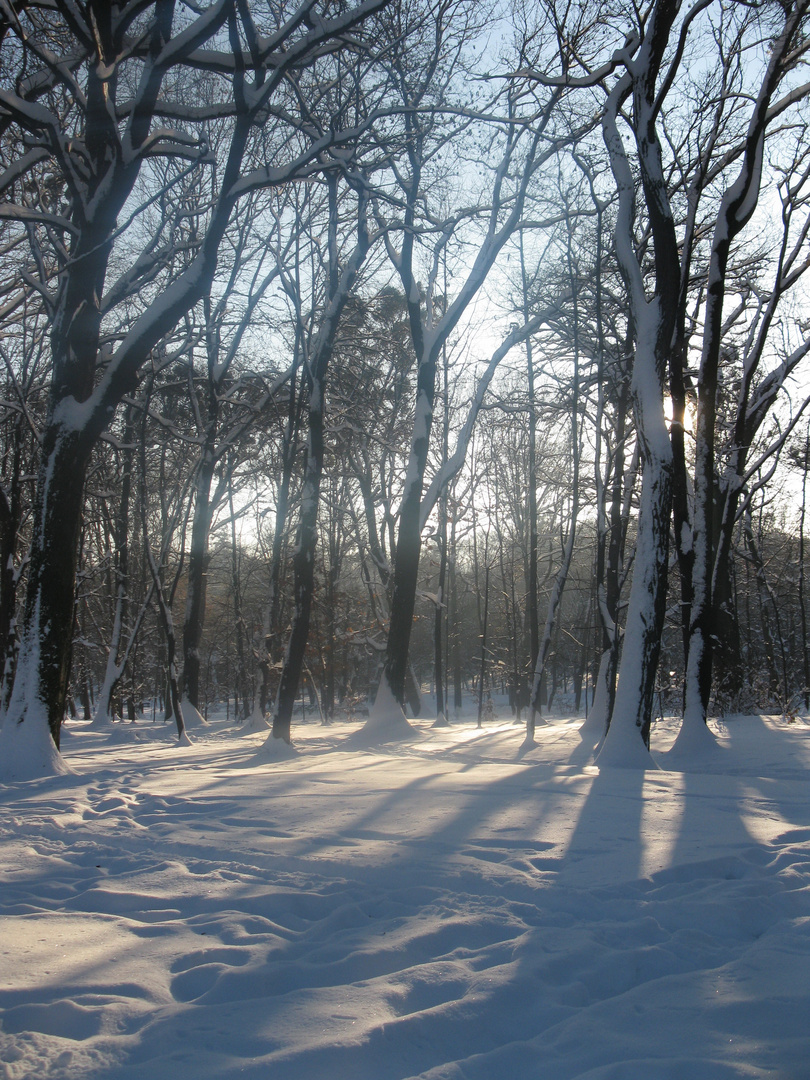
x=441, y=907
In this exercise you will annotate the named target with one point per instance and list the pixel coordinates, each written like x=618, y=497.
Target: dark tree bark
x=44, y=669
x=11, y=505
x=341, y=283
x=99, y=165
x=114, y=667
x=197, y=584
x=433, y=320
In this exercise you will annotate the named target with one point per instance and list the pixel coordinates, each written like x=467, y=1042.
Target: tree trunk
x=197, y=584
x=114, y=668
x=43, y=668
x=532, y=597
x=805, y=461
x=11, y=506
x=439, y=619
x=736, y=209
x=243, y=688
x=484, y=623
x=454, y=628
x=340, y=284
x=303, y=573
x=409, y=539
x=440, y=616
x=629, y=734
x=274, y=652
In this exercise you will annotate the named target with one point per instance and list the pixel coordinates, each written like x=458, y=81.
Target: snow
x=438, y=908
x=192, y=717
x=386, y=719
x=257, y=721
x=275, y=748
x=27, y=750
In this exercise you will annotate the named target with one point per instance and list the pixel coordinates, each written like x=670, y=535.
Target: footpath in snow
x=443, y=907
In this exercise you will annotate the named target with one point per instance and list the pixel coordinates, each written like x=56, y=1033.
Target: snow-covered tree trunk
x=628, y=736
x=114, y=667
x=440, y=614
x=613, y=513
x=112, y=103
x=653, y=322
x=38, y=698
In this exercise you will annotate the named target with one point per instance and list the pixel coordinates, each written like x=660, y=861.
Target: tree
x=95, y=124
x=341, y=275
x=122, y=636
x=23, y=350
x=719, y=500
x=427, y=89
x=229, y=402
x=641, y=82
x=799, y=458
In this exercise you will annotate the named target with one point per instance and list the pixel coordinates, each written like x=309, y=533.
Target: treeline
x=240, y=660
x=357, y=347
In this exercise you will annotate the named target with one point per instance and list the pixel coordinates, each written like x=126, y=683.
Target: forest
x=404, y=450
x=357, y=356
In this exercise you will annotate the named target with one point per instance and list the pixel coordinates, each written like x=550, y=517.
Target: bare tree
x=642, y=81
x=341, y=275
x=426, y=92
x=97, y=122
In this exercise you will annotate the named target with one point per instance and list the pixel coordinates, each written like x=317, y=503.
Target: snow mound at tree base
x=275, y=749
x=624, y=748
x=386, y=721
x=27, y=751
x=257, y=721
x=105, y=720
x=192, y=717
x=694, y=743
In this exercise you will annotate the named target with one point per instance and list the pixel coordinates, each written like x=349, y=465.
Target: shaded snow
x=386, y=720
x=27, y=750
x=442, y=908
x=192, y=717
x=257, y=721
x=275, y=749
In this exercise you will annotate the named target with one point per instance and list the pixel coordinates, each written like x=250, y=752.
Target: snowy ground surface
x=439, y=908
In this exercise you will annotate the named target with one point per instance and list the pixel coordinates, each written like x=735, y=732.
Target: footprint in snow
x=198, y=972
